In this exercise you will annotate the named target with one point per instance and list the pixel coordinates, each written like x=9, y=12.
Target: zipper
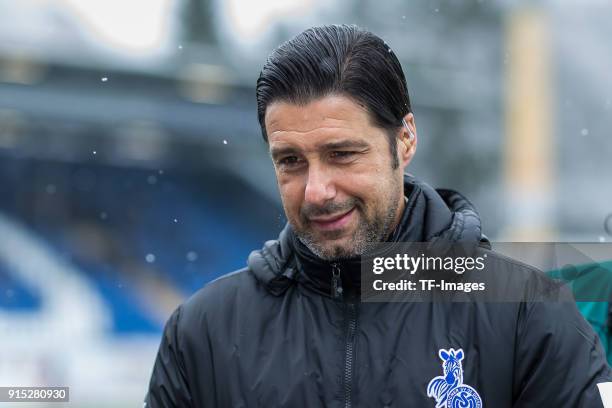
x=349, y=346
x=349, y=355
x=336, y=282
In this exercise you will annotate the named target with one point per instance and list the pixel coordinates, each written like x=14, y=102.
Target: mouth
x=334, y=222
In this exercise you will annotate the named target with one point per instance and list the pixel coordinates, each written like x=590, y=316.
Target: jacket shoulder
x=219, y=293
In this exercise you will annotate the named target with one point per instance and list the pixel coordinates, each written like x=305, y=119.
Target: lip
x=335, y=222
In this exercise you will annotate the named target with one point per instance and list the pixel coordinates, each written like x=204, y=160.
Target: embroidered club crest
x=448, y=390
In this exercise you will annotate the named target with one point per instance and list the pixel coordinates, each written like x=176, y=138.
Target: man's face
x=333, y=167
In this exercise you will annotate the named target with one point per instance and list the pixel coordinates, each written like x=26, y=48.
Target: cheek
x=366, y=185
x=292, y=195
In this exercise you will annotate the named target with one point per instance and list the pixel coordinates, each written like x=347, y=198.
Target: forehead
x=327, y=116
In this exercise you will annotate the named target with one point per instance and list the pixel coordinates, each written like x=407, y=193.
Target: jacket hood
x=438, y=216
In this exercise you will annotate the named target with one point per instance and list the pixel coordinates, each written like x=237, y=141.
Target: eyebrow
x=343, y=144
x=275, y=152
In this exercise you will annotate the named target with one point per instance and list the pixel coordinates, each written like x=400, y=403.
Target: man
x=290, y=330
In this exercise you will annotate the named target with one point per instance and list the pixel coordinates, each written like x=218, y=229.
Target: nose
x=319, y=186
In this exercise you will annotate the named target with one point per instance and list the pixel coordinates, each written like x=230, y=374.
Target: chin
x=337, y=252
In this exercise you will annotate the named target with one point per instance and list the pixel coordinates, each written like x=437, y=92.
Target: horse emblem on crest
x=448, y=390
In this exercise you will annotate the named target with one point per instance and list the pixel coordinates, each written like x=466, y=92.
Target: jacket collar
x=440, y=217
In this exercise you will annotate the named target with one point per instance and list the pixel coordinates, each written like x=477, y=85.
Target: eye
x=289, y=162
x=342, y=155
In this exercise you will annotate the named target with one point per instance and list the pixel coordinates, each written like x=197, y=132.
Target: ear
x=443, y=355
x=407, y=144
x=459, y=355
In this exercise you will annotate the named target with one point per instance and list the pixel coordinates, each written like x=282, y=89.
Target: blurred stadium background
x=132, y=170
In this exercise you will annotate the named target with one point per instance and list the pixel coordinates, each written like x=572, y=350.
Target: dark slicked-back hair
x=337, y=60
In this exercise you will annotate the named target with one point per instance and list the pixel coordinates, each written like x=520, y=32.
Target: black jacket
x=273, y=335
